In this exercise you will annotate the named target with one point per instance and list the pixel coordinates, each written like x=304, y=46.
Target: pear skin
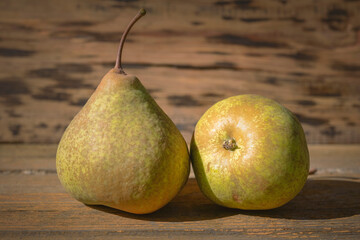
x=249, y=152
x=121, y=150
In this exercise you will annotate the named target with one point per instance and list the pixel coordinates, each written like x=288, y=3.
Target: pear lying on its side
x=249, y=152
x=121, y=150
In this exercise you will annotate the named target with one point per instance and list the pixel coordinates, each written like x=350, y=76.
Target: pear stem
x=230, y=144
x=118, y=66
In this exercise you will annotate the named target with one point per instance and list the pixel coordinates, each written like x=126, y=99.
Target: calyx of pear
x=121, y=150
x=249, y=152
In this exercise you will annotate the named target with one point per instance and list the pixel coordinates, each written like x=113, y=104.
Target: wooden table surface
x=33, y=205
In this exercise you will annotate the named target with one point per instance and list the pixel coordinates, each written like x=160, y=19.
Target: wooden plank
x=335, y=159
x=27, y=157
x=33, y=204
x=326, y=208
x=304, y=54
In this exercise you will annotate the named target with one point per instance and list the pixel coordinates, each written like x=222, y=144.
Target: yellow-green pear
x=249, y=152
x=121, y=150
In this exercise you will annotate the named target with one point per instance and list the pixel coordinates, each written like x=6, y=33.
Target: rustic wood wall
x=189, y=54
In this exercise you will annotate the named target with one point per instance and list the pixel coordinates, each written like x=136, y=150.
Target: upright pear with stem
x=121, y=150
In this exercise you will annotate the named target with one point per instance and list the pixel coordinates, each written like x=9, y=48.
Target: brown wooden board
x=34, y=205
x=189, y=55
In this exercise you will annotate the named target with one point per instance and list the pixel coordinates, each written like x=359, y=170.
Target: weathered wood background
x=189, y=54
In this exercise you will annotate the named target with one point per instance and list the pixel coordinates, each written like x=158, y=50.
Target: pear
x=121, y=150
x=249, y=152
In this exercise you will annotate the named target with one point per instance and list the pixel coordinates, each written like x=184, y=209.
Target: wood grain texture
x=33, y=205
x=327, y=208
x=189, y=55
